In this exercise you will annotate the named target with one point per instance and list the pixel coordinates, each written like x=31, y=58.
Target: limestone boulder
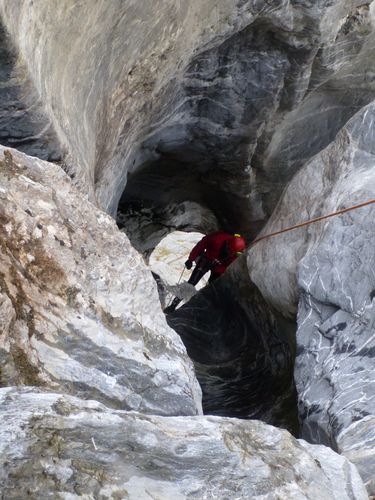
x=79, y=309
x=55, y=446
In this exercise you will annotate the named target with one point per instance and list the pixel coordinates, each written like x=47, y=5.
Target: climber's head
x=236, y=245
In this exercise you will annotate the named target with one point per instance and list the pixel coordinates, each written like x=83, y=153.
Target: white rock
x=80, y=310
x=327, y=269
x=63, y=447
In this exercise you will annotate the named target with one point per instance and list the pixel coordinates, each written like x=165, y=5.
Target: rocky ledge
x=63, y=447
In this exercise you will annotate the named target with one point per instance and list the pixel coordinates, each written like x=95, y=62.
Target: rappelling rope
x=178, y=282
x=180, y=278
x=302, y=224
x=312, y=221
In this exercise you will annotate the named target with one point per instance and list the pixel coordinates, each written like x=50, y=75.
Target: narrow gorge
x=123, y=123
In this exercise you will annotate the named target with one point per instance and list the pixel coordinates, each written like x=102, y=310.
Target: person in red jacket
x=212, y=253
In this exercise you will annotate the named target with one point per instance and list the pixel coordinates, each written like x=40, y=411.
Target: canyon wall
x=211, y=102
x=244, y=116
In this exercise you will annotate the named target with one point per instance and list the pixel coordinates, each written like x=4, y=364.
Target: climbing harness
x=311, y=221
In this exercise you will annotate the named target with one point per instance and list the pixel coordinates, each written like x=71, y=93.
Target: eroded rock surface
x=79, y=309
x=243, y=352
x=64, y=447
x=23, y=121
x=336, y=281
x=209, y=102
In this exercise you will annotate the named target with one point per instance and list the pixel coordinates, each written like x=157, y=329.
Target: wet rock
x=243, y=352
x=61, y=446
x=79, y=309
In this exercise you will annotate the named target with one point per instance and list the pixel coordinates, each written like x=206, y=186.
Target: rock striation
x=211, y=103
x=327, y=269
x=192, y=116
x=79, y=309
x=62, y=446
x=92, y=341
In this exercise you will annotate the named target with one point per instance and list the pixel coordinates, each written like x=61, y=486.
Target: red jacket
x=210, y=246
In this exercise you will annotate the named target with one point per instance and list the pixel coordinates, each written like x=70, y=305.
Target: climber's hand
x=188, y=264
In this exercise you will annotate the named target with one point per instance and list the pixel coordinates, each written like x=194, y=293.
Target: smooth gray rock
x=79, y=309
x=335, y=367
x=339, y=84
x=216, y=102
x=327, y=269
x=55, y=446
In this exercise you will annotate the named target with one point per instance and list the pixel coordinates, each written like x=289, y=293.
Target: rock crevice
x=191, y=116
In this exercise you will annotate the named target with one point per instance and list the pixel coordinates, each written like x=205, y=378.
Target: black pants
x=202, y=267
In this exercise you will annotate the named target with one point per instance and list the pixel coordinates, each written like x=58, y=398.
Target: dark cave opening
x=168, y=195
x=243, y=351
x=204, y=174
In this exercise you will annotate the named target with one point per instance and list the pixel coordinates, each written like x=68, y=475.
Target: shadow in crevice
x=243, y=351
x=24, y=124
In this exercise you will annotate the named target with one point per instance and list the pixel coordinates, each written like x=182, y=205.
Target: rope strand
x=311, y=221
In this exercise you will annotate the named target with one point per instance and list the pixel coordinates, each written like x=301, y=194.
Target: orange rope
x=311, y=221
